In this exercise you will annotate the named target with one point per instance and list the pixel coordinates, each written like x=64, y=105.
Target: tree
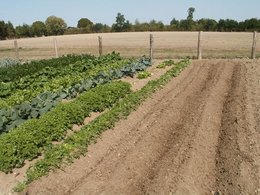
x=156, y=26
x=3, y=30
x=252, y=24
x=145, y=26
x=121, y=25
x=221, y=25
x=227, y=25
x=98, y=27
x=39, y=28
x=24, y=31
x=206, y=24
x=120, y=21
x=231, y=25
x=6, y=30
x=106, y=28
x=241, y=26
x=10, y=30
x=55, y=25
x=190, y=21
x=191, y=11
x=184, y=25
x=174, y=24
x=139, y=27
x=84, y=23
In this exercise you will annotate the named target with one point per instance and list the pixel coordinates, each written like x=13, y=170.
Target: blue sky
x=104, y=11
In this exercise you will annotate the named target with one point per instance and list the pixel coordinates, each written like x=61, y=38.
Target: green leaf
x=35, y=113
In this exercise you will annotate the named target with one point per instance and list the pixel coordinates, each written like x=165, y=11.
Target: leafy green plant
x=165, y=63
x=7, y=62
x=169, y=62
x=143, y=75
x=161, y=66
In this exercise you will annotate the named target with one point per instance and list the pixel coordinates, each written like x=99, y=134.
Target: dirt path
x=198, y=135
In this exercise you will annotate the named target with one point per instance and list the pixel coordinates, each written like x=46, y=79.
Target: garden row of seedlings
x=36, y=136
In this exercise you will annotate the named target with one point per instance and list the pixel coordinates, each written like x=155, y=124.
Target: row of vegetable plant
x=28, y=141
x=165, y=63
x=14, y=70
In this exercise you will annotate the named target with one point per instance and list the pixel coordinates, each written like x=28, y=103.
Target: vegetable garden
x=33, y=95
x=40, y=101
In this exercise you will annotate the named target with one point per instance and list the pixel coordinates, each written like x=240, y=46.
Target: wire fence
x=135, y=44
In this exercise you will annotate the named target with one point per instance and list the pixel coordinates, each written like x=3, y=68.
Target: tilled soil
x=197, y=135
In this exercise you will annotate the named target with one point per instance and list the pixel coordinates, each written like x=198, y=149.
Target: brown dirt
x=197, y=135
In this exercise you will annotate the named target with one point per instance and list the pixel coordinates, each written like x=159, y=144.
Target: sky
x=105, y=11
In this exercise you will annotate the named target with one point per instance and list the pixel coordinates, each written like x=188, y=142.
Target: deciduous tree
x=84, y=23
x=55, y=25
x=121, y=25
x=24, y=31
x=39, y=28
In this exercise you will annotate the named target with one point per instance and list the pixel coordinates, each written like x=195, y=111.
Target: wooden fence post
x=100, y=46
x=254, y=45
x=16, y=49
x=199, y=55
x=151, y=47
x=55, y=47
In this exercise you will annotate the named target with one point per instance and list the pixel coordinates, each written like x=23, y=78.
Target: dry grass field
x=166, y=45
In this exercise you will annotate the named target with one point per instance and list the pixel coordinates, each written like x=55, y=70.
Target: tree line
x=57, y=26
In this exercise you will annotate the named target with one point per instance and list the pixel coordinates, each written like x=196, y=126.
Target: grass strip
x=76, y=145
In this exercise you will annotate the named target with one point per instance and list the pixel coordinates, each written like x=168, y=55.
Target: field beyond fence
x=134, y=44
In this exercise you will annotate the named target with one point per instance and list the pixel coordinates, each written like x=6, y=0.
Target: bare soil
x=197, y=135
x=166, y=45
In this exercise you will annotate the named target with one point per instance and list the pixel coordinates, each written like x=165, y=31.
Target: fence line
x=199, y=49
x=55, y=47
x=16, y=49
x=254, y=45
x=152, y=47
x=100, y=46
